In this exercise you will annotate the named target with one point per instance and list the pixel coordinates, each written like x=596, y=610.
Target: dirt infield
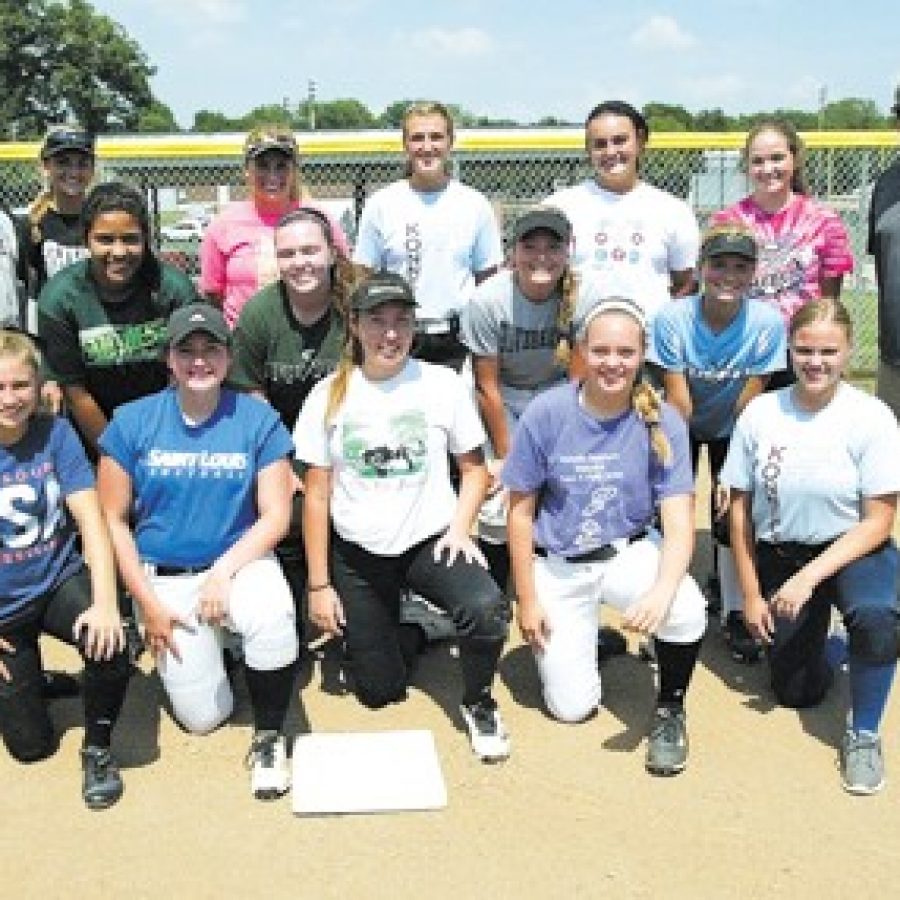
x=758, y=813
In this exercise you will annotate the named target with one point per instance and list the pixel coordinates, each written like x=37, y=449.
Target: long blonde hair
x=351, y=357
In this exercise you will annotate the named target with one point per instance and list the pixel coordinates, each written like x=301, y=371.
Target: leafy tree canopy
x=60, y=59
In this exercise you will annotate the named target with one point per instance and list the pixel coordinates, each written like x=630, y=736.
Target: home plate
x=365, y=772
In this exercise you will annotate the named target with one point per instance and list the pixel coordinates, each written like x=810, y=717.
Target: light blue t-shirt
x=598, y=480
x=809, y=472
x=37, y=535
x=194, y=486
x=717, y=365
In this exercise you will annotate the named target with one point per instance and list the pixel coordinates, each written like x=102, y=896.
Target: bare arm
x=753, y=388
x=648, y=612
x=87, y=414
x=104, y=627
x=872, y=530
x=486, y=370
x=678, y=393
x=473, y=485
x=114, y=486
x=325, y=608
x=534, y=625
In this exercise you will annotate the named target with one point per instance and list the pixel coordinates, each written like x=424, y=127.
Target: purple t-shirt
x=37, y=535
x=598, y=480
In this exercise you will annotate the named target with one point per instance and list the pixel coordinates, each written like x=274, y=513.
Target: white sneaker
x=487, y=733
x=270, y=775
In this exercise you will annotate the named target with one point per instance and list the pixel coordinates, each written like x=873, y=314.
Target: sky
x=516, y=59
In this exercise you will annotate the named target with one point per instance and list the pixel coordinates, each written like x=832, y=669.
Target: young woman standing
x=439, y=234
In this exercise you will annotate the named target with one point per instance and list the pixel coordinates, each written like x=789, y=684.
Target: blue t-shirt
x=717, y=366
x=598, y=480
x=194, y=487
x=37, y=535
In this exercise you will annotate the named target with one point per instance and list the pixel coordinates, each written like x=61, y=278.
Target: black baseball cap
x=722, y=241
x=547, y=218
x=204, y=317
x=382, y=287
x=61, y=138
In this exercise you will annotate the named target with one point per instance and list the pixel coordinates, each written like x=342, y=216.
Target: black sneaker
x=60, y=686
x=743, y=646
x=667, y=744
x=610, y=643
x=101, y=784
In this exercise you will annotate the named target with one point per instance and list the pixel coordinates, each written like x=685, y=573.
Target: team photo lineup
x=429, y=434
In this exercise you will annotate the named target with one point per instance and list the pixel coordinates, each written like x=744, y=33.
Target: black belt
x=180, y=570
x=598, y=554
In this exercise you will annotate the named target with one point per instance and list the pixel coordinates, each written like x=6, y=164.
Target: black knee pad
x=873, y=635
x=117, y=668
x=27, y=730
x=801, y=688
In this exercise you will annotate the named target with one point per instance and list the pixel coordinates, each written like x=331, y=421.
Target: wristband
x=318, y=587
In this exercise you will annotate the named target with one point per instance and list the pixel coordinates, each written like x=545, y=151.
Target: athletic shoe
x=667, y=744
x=743, y=646
x=610, y=643
x=862, y=766
x=487, y=733
x=270, y=775
x=435, y=624
x=101, y=784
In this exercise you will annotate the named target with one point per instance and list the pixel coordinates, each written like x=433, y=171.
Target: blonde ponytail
x=565, y=316
x=647, y=404
x=40, y=206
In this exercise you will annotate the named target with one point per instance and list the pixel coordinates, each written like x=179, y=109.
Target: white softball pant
x=260, y=611
x=571, y=593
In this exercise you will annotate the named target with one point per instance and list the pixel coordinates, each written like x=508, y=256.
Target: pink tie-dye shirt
x=799, y=246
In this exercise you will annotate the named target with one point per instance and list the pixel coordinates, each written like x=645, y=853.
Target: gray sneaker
x=862, y=765
x=667, y=744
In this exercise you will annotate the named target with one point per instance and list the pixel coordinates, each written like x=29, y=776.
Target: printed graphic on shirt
x=513, y=338
x=781, y=268
x=293, y=372
x=618, y=243
x=58, y=256
x=598, y=477
x=116, y=345
x=195, y=464
x=413, y=247
x=30, y=514
x=395, y=448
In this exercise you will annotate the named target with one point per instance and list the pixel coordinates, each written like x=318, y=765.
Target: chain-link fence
x=192, y=176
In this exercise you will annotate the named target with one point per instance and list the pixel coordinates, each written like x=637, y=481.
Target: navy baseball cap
x=61, y=138
x=186, y=320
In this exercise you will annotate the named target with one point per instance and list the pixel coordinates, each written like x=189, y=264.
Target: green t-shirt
x=275, y=354
x=113, y=350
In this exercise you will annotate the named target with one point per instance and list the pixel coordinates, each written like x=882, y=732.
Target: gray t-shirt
x=809, y=472
x=884, y=245
x=501, y=321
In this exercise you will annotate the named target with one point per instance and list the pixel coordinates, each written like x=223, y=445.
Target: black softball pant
x=370, y=587
x=24, y=720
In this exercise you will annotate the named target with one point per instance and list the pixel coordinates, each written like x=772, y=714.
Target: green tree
x=208, y=121
x=852, y=114
x=343, y=115
x=267, y=114
x=712, y=120
x=667, y=117
x=62, y=59
x=157, y=119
